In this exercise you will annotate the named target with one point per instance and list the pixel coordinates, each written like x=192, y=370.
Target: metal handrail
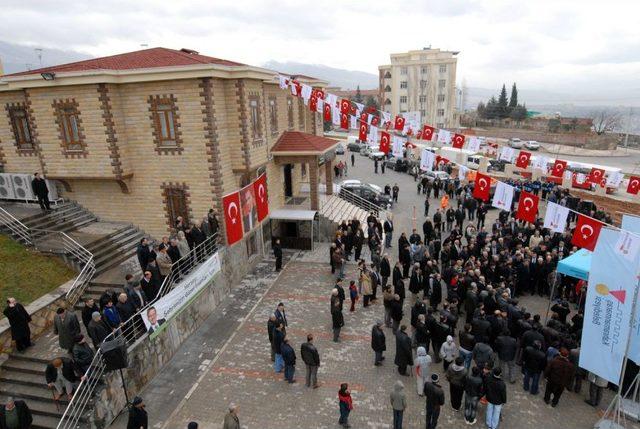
x=128, y=330
x=358, y=201
x=15, y=226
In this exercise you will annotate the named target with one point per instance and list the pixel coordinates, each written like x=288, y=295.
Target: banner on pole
x=632, y=224
x=610, y=295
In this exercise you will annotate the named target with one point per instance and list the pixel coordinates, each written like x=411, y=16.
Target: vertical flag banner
x=474, y=144
x=457, y=141
x=523, y=159
x=632, y=224
x=305, y=93
x=345, y=106
x=427, y=158
x=482, y=187
x=385, y=142
x=336, y=116
x=427, y=132
x=313, y=103
x=232, y=217
x=284, y=82
x=527, y=207
x=556, y=217
x=399, y=123
x=558, y=168
x=248, y=207
x=503, y=196
x=596, y=175
x=372, y=137
x=353, y=122
x=363, y=131
x=586, y=232
x=398, y=146
x=612, y=280
x=634, y=185
x=327, y=112
x=614, y=179
x=262, y=199
x=540, y=162
x=344, y=121
x=507, y=154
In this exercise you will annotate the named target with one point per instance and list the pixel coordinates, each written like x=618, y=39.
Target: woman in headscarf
x=421, y=365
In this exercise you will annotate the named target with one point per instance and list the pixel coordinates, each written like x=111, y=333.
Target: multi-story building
x=422, y=81
x=151, y=135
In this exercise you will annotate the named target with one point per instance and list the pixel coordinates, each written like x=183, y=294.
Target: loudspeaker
x=114, y=354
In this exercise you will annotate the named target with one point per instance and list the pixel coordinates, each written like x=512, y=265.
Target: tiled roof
x=295, y=141
x=147, y=58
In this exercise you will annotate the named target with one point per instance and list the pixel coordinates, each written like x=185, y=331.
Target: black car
x=397, y=164
x=366, y=192
x=497, y=165
x=355, y=146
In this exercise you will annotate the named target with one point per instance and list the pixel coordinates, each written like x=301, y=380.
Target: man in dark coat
x=277, y=253
x=60, y=375
x=138, y=418
x=19, y=321
x=89, y=308
x=559, y=374
x=40, y=189
x=337, y=319
x=311, y=358
x=496, y=394
x=385, y=270
x=97, y=330
x=378, y=342
x=16, y=412
x=289, y=358
x=66, y=327
x=82, y=355
x=404, y=357
x=435, y=399
x=533, y=363
x=143, y=253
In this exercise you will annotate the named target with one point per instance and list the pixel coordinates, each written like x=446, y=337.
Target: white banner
x=411, y=120
x=427, y=158
x=462, y=173
x=172, y=303
x=503, y=196
x=612, y=280
x=556, y=217
x=353, y=122
x=335, y=116
x=319, y=105
x=507, y=154
x=614, y=179
x=283, y=82
x=444, y=136
x=540, y=162
x=474, y=144
x=398, y=146
x=632, y=224
x=372, y=137
x=306, y=93
x=332, y=100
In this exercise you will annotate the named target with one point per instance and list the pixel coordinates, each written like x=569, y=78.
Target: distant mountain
x=16, y=58
x=345, y=79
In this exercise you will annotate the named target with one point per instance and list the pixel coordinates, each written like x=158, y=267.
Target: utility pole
x=39, y=54
x=626, y=137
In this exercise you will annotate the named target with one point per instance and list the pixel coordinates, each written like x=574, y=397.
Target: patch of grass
x=26, y=274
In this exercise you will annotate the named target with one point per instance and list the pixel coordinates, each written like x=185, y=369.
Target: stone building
x=149, y=135
x=421, y=81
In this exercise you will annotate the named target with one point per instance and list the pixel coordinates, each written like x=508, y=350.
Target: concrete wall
x=585, y=140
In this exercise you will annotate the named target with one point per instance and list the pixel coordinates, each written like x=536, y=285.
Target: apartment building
x=423, y=81
x=151, y=135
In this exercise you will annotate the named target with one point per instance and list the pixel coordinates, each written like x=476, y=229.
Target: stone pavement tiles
x=243, y=373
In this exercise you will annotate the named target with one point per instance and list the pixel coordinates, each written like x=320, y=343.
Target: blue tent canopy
x=576, y=265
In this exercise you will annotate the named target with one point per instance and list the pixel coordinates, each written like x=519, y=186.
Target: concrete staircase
x=65, y=217
x=335, y=209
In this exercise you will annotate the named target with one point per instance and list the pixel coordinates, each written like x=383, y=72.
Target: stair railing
x=15, y=227
x=364, y=204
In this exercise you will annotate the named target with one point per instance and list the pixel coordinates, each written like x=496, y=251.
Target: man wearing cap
x=435, y=399
x=15, y=414
x=559, y=374
x=231, y=420
x=138, y=418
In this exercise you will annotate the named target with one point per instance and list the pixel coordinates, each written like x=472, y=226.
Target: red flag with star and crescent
x=313, y=103
x=457, y=141
x=363, y=132
x=482, y=187
x=527, y=207
x=385, y=142
x=232, y=217
x=427, y=132
x=318, y=93
x=344, y=121
x=523, y=159
x=596, y=175
x=375, y=121
x=558, y=168
x=327, y=112
x=262, y=199
x=586, y=232
x=398, y=124
x=345, y=106
x=634, y=185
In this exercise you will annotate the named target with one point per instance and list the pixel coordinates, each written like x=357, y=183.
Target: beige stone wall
x=15, y=161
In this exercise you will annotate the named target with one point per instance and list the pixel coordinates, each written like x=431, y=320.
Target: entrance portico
x=294, y=147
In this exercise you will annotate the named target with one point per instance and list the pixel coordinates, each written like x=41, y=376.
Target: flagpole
x=553, y=291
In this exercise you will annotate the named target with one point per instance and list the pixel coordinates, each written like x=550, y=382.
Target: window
x=423, y=84
x=387, y=75
x=273, y=115
x=254, y=118
x=303, y=170
x=403, y=70
x=423, y=99
x=423, y=113
x=387, y=88
x=441, y=97
x=424, y=70
x=440, y=125
x=290, y=112
x=176, y=200
x=20, y=125
x=440, y=112
x=442, y=83
x=166, y=130
x=301, y=110
x=403, y=84
x=252, y=245
x=69, y=126
x=403, y=99
x=443, y=68
x=387, y=101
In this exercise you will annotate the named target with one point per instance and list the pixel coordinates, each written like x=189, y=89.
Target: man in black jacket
x=435, y=399
x=17, y=412
x=506, y=347
x=137, y=415
x=496, y=395
x=60, y=375
x=97, y=330
x=378, y=342
x=311, y=358
x=289, y=358
x=404, y=356
x=533, y=363
x=277, y=253
x=40, y=189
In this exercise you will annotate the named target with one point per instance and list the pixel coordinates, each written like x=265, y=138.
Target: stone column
x=328, y=172
x=313, y=184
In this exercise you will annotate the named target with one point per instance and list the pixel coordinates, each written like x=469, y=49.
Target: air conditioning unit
x=22, y=187
x=53, y=190
x=6, y=187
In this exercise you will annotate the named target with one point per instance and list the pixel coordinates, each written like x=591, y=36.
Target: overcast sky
x=586, y=46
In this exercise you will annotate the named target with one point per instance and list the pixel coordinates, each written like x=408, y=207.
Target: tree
x=481, y=110
x=518, y=113
x=358, y=97
x=513, y=100
x=503, y=103
x=605, y=121
x=372, y=102
x=492, y=110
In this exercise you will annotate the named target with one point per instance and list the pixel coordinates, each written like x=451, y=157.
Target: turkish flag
x=345, y=106
x=327, y=112
x=344, y=121
x=375, y=121
x=364, y=117
x=419, y=135
x=385, y=142
x=262, y=199
x=482, y=187
x=558, y=168
x=298, y=89
x=634, y=185
x=399, y=123
x=363, y=132
x=527, y=207
x=596, y=175
x=586, y=232
x=523, y=159
x=457, y=141
x=232, y=217
x=313, y=103
x=427, y=132
x=318, y=93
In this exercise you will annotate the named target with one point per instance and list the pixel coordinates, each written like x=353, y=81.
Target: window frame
x=440, y=113
x=272, y=102
x=442, y=83
x=404, y=71
x=255, y=118
x=422, y=99
x=403, y=99
x=165, y=119
x=441, y=98
x=404, y=84
x=443, y=68
x=21, y=127
x=290, y=115
x=70, y=130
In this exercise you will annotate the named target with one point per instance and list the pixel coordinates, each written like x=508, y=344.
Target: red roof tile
x=147, y=58
x=295, y=141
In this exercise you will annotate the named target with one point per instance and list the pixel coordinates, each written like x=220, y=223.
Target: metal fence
x=131, y=330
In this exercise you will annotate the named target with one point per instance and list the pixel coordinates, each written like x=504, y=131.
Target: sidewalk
x=556, y=149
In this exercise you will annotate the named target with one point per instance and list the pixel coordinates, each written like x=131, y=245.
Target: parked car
x=497, y=165
x=376, y=154
x=354, y=145
x=433, y=175
x=340, y=149
x=397, y=164
x=532, y=145
x=368, y=192
x=516, y=143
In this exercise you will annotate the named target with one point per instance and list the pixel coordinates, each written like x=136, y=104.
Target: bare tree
x=605, y=121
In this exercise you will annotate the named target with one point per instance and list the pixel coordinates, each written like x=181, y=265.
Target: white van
x=352, y=139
